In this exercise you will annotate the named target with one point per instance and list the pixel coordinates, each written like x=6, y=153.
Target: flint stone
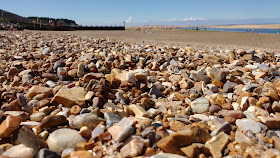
x=26, y=136
x=97, y=130
x=154, y=90
x=111, y=118
x=46, y=153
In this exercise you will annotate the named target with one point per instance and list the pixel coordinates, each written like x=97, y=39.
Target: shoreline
x=259, y=26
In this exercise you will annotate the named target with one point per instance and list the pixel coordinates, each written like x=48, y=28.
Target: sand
x=263, y=26
x=268, y=42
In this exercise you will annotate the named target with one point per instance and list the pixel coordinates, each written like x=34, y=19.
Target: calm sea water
x=270, y=31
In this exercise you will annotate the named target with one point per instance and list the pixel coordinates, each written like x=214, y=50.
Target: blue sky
x=150, y=12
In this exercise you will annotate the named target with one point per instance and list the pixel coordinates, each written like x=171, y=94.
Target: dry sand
x=187, y=37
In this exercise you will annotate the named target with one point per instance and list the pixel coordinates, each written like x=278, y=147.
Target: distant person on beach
x=278, y=31
x=253, y=30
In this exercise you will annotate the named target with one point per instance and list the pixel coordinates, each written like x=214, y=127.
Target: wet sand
x=187, y=37
x=264, y=26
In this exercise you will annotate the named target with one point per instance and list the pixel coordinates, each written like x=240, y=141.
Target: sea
x=261, y=31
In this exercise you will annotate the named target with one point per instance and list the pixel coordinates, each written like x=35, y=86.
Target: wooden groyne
x=32, y=26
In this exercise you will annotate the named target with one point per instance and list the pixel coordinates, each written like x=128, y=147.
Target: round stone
x=64, y=138
x=200, y=105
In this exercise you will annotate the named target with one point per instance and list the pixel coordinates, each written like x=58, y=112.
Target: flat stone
x=139, y=111
x=26, y=136
x=270, y=122
x=200, y=105
x=133, y=148
x=96, y=76
x=35, y=90
x=232, y=113
x=217, y=144
x=248, y=124
x=64, y=138
x=9, y=125
x=168, y=145
x=173, y=142
x=70, y=96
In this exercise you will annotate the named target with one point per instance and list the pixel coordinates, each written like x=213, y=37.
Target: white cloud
x=129, y=19
x=193, y=19
x=171, y=20
x=185, y=19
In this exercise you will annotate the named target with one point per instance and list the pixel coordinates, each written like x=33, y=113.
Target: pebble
x=111, y=118
x=200, y=105
x=87, y=119
x=26, y=136
x=38, y=116
x=217, y=144
x=20, y=151
x=90, y=97
x=46, y=153
x=70, y=96
x=248, y=124
x=35, y=90
x=9, y=125
x=64, y=138
x=133, y=148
